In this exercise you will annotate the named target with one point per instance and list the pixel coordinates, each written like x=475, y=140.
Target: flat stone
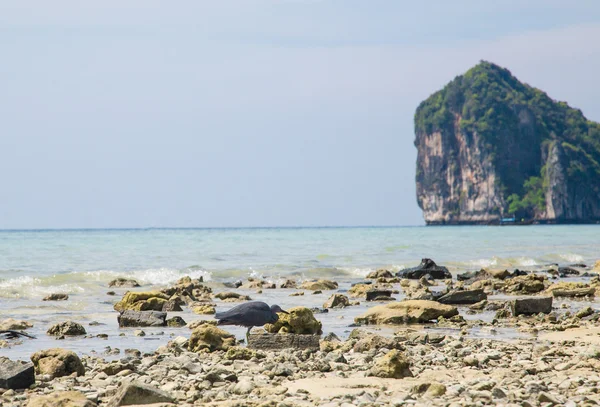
x=15, y=375
x=138, y=393
x=61, y=399
x=283, y=341
x=130, y=318
x=531, y=305
x=463, y=297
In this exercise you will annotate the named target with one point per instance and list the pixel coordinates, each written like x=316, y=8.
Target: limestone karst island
x=494, y=150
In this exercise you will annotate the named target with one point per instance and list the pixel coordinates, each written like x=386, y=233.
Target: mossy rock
x=393, y=365
x=319, y=285
x=203, y=309
x=142, y=301
x=239, y=353
x=209, y=338
x=299, y=320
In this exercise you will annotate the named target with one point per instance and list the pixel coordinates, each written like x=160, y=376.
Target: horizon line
x=204, y=228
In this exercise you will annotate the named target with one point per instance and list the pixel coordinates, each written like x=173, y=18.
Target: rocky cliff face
x=491, y=147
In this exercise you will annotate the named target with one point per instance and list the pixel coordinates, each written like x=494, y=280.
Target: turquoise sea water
x=82, y=262
x=36, y=262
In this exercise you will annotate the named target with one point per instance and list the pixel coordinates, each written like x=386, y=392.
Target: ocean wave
x=33, y=287
x=572, y=258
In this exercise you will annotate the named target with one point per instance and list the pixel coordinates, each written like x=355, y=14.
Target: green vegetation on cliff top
x=517, y=125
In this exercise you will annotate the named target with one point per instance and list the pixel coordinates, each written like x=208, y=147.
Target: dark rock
x=317, y=310
x=427, y=267
x=131, y=318
x=176, y=322
x=463, y=297
x=56, y=297
x=138, y=393
x=289, y=284
x=518, y=273
x=277, y=341
x=379, y=295
x=123, y=282
x=567, y=271
x=531, y=305
x=15, y=375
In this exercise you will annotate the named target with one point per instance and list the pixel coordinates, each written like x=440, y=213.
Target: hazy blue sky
x=251, y=113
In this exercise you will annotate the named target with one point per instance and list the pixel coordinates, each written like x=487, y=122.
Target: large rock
x=410, y=311
x=463, y=297
x=427, y=267
x=337, y=301
x=287, y=341
x=209, y=338
x=134, y=393
x=298, y=320
x=11, y=324
x=16, y=375
x=142, y=301
x=57, y=362
x=67, y=328
x=131, y=318
x=393, y=365
x=61, y=399
x=477, y=147
x=571, y=289
x=319, y=285
x=531, y=305
x=124, y=282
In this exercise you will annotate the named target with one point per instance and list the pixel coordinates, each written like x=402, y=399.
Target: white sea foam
x=31, y=287
x=572, y=258
x=483, y=263
x=525, y=262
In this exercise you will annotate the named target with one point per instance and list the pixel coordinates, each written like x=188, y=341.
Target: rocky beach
x=418, y=336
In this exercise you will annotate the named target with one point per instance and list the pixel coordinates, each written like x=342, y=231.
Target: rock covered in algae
x=392, y=365
x=299, y=320
x=319, y=285
x=209, y=338
x=142, y=301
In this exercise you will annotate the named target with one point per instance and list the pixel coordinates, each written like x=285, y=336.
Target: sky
x=146, y=113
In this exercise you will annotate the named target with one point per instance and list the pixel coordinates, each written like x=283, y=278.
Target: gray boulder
x=130, y=318
x=531, y=305
x=463, y=297
x=15, y=375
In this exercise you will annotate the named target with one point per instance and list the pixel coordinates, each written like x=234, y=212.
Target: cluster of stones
x=410, y=368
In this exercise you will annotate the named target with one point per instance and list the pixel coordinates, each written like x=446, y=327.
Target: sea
x=81, y=263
